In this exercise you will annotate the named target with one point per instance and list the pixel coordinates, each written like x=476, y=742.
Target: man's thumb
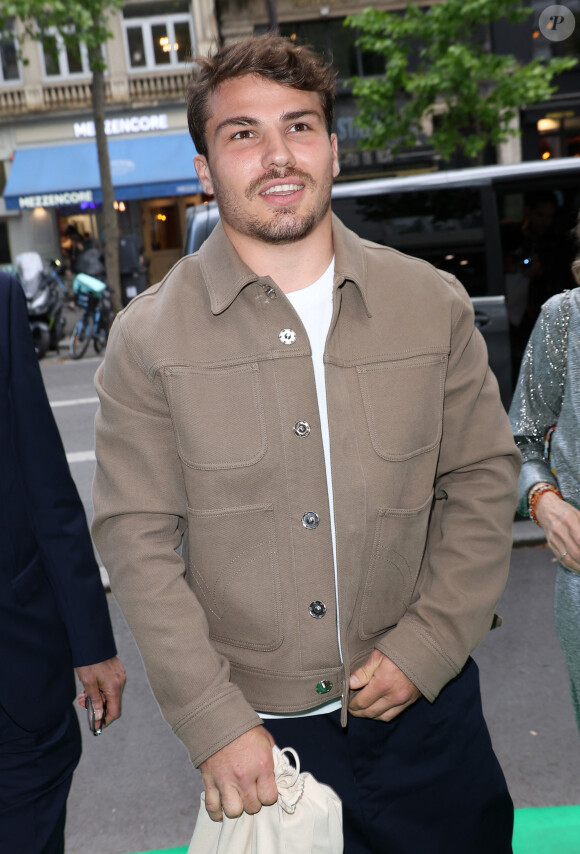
x=358, y=679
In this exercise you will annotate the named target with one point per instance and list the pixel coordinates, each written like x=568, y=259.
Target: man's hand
x=103, y=680
x=240, y=777
x=561, y=524
x=382, y=689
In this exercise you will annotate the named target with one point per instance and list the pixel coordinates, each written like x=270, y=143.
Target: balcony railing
x=152, y=86
x=56, y=96
x=12, y=101
x=17, y=100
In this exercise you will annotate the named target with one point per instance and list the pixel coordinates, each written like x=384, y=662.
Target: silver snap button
x=317, y=609
x=324, y=686
x=310, y=520
x=302, y=429
x=287, y=336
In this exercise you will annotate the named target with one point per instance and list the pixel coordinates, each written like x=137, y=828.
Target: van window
x=445, y=227
x=537, y=246
x=536, y=230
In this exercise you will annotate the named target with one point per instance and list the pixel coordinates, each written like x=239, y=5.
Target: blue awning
x=142, y=167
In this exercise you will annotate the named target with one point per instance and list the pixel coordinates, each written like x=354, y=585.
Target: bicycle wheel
x=100, y=338
x=81, y=337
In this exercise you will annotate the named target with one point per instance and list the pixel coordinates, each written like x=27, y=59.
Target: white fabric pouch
x=306, y=819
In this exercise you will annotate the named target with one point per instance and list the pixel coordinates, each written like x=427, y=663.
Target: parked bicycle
x=94, y=297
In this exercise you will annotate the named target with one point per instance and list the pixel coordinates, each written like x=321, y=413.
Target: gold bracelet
x=534, y=496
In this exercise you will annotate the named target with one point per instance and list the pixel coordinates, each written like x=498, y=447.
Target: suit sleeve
x=466, y=559
x=56, y=511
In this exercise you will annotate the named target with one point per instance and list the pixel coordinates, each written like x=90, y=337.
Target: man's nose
x=277, y=152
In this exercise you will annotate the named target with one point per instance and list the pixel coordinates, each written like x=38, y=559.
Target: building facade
x=48, y=168
x=550, y=129
x=49, y=177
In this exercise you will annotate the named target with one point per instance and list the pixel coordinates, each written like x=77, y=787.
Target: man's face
x=271, y=161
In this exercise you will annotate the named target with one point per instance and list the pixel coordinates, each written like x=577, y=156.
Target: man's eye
x=243, y=134
x=299, y=126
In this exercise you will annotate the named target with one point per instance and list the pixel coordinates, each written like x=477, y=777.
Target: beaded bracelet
x=534, y=496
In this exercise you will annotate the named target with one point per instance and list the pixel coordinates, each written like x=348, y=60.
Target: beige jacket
x=206, y=478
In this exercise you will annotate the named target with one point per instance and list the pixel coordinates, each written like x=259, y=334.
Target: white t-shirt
x=313, y=305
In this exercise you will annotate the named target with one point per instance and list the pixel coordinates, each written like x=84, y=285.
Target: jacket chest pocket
x=403, y=403
x=217, y=415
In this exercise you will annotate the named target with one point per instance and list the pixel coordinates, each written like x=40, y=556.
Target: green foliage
x=438, y=54
x=75, y=21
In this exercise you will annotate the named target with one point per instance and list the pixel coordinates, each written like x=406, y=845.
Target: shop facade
x=53, y=183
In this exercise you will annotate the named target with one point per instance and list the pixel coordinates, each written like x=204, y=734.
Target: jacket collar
x=225, y=274
x=350, y=263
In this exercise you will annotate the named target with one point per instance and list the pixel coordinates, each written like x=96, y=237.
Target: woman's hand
x=561, y=524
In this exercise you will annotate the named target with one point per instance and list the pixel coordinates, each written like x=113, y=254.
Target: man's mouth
x=282, y=189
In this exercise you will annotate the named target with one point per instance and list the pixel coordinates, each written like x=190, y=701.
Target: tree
x=437, y=64
x=76, y=22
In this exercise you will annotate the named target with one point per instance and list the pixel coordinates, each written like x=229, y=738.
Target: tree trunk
x=110, y=224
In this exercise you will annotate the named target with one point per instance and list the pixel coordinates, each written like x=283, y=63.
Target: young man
x=305, y=486
x=53, y=610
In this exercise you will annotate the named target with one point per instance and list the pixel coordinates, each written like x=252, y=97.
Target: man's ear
x=203, y=173
x=335, y=161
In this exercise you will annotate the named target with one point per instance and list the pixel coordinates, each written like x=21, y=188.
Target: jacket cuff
x=96, y=654
x=216, y=723
x=532, y=472
x=420, y=657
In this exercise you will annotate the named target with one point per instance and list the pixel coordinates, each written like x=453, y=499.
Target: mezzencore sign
x=52, y=200
x=126, y=124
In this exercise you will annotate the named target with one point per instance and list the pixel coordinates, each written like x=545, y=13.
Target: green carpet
x=545, y=830
x=166, y=851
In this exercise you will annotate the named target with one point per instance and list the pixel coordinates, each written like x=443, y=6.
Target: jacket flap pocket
x=403, y=402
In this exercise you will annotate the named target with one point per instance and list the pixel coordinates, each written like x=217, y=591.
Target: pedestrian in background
x=53, y=610
x=545, y=417
x=305, y=486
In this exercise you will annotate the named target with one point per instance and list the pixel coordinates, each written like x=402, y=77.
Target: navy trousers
x=35, y=776
x=427, y=782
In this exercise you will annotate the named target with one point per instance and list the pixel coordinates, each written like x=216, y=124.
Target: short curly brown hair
x=270, y=56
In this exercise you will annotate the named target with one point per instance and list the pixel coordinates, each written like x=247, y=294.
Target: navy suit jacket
x=53, y=610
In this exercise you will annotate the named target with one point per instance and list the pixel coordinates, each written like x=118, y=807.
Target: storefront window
x=164, y=229
x=158, y=41
x=9, y=67
x=559, y=135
